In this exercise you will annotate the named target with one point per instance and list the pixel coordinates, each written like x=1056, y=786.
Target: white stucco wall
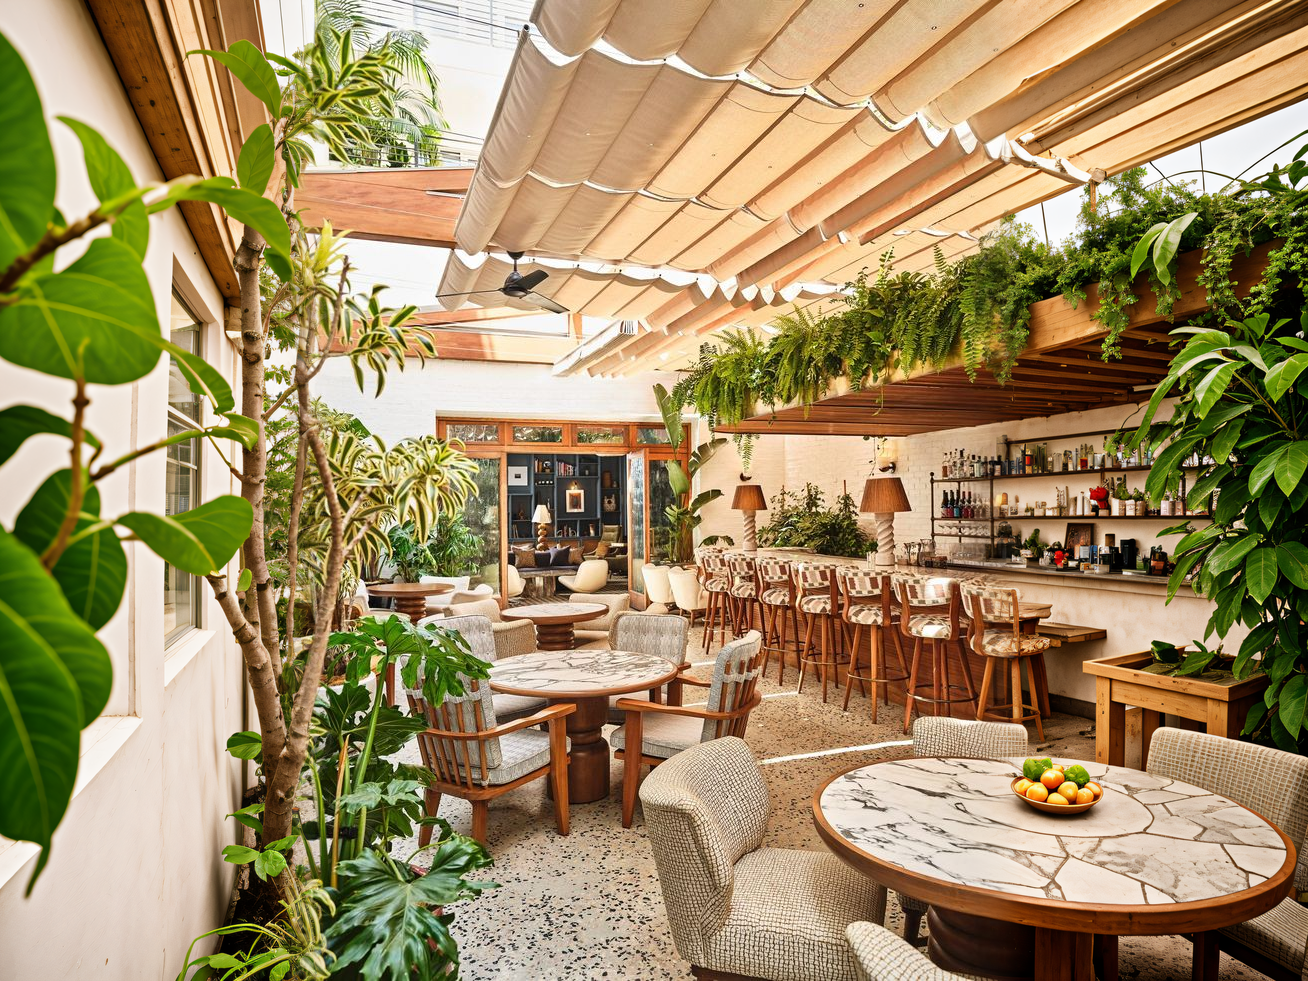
x=135, y=872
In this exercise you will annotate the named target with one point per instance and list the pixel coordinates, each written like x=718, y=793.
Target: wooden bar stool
x=815, y=599
x=744, y=591
x=776, y=603
x=865, y=602
x=930, y=616
x=717, y=583
x=996, y=635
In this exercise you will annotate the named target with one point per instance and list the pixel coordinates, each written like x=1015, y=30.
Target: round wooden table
x=1017, y=893
x=554, y=621
x=586, y=678
x=410, y=597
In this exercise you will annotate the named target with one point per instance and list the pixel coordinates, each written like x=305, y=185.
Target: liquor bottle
x=944, y=504
x=967, y=505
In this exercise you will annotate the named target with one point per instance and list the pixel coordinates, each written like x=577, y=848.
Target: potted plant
x=684, y=514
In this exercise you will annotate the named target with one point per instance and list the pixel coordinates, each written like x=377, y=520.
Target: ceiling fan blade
x=545, y=303
x=531, y=280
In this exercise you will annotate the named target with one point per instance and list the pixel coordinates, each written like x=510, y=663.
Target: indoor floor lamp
x=883, y=498
x=748, y=499
x=541, y=516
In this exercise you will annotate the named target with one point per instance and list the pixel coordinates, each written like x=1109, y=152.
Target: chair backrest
x=879, y=955
x=773, y=572
x=483, y=607
x=993, y=607
x=1265, y=780
x=735, y=679
x=460, y=583
x=592, y=575
x=610, y=533
x=657, y=587
x=741, y=566
x=967, y=739
x=813, y=578
x=713, y=562
x=464, y=762
x=618, y=604
x=513, y=582
x=477, y=630
x=705, y=809
x=933, y=596
x=686, y=590
x=659, y=634
x=862, y=587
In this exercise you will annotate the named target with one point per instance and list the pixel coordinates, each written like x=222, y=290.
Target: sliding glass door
x=483, y=512
x=637, y=525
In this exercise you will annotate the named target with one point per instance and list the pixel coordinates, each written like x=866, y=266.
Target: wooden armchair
x=654, y=732
x=475, y=758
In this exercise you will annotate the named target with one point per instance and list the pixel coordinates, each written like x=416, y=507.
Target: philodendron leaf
x=92, y=571
x=255, y=165
x=54, y=679
x=18, y=422
x=96, y=319
x=1291, y=703
x=198, y=541
x=110, y=178
x=252, y=70
x=27, y=163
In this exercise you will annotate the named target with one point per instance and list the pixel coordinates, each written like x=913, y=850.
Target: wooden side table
x=1219, y=705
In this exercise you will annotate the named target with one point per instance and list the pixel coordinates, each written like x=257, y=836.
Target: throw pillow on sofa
x=559, y=555
x=524, y=557
x=574, y=555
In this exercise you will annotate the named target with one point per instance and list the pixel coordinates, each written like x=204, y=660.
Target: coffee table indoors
x=586, y=678
x=1017, y=893
x=554, y=621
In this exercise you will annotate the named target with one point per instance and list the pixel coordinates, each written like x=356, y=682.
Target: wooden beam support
x=416, y=206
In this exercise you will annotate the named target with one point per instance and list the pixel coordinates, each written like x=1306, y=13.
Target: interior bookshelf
x=583, y=491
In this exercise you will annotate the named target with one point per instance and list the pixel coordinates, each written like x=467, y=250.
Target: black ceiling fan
x=519, y=287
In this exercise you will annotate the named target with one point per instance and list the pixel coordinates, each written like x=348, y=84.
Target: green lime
x=1078, y=775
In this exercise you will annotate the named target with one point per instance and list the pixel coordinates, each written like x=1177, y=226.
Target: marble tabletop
x=580, y=673
x=559, y=611
x=1151, y=841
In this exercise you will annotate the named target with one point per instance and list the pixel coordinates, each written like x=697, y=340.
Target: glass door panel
x=483, y=514
x=660, y=499
x=636, y=521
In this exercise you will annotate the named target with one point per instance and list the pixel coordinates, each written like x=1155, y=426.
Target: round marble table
x=554, y=621
x=410, y=597
x=586, y=678
x=1017, y=893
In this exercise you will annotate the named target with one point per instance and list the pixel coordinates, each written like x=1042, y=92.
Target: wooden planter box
x=1219, y=706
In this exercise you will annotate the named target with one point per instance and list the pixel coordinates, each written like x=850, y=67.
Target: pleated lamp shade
x=884, y=495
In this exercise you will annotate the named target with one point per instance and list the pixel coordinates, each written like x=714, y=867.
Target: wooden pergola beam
x=412, y=206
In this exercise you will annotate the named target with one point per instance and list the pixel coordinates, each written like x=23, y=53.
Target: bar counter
x=1132, y=609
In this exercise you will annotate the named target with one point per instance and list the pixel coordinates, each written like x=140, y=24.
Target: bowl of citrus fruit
x=1057, y=788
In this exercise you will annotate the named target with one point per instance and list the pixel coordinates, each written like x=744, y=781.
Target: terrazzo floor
x=588, y=906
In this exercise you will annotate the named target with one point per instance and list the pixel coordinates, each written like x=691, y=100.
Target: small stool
x=776, y=601
x=816, y=603
x=865, y=602
x=929, y=615
x=997, y=636
x=744, y=591
x=717, y=583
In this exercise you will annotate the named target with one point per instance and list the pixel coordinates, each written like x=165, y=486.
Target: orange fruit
x=1085, y=796
x=1095, y=789
x=1052, y=779
x=1068, y=790
x=1057, y=799
x=1021, y=785
x=1036, y=791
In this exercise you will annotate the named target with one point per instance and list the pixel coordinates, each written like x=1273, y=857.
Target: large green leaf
x=255, y=165
x=1290, y=466
x=1166, y=244
x=1215, y=383
x=198, y=541
x=54, y=679
x=671, y=413
x=92, y=571
x=252, y=70
x=27, y=163
x=1260, y=573
x=1281, y=378
x=110, y=178
x=1231, y=552
x=18, y=422
x=1265, y=469
x=243, y=205
x=95, y=319
x=1292, y=560
x=1291, y=703
x=677, y=478
x=1141, y=251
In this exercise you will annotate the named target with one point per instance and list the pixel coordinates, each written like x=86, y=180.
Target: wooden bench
x=1069, y=633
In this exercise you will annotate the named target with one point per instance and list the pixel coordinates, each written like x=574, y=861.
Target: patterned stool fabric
x=815, y=604
x=931, y=626
x=882, y=956
x=776, y=596
x=1003, y=643
x=864, y=614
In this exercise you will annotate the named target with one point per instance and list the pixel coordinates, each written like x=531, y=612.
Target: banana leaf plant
x=684, y=516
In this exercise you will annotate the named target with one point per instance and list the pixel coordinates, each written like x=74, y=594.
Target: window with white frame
x=181, y=589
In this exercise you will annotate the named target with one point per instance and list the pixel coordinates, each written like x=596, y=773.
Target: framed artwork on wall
x=575, y=501
x=517, y=476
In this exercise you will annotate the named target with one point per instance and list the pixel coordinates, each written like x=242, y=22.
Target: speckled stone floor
x=588, y=906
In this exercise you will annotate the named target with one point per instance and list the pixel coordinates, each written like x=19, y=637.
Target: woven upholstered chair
x=965, y=740
x=474, y=756
x=717, y=583
x=881, y=956
x=651, y=733
x=595, y=633
x=479, y=632
x=738, y=910
x=742, y=570
x=660, y=634
x=931, y=616
x=1270, y=783
x=776, y=601
x=815, y=599
x=512, y=637
x=865, y=605
x=687, y=592
x=995, y=633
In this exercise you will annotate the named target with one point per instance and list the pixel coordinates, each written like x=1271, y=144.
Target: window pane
x=473, y=432
x=600, y=434
x=182, y=477
x=652, y=435
x=538, y=434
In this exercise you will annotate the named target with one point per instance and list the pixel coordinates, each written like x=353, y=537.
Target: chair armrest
x=635, y=705
x=544, y=715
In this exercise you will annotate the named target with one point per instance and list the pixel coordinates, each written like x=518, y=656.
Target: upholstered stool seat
x=776, y=596
x=930, y=626
x=815, y=604
x=869, y=616
x=1002, y=643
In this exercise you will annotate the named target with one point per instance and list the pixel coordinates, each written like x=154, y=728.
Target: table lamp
x=883, y=497
x=749, y=500
x=541, y=516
